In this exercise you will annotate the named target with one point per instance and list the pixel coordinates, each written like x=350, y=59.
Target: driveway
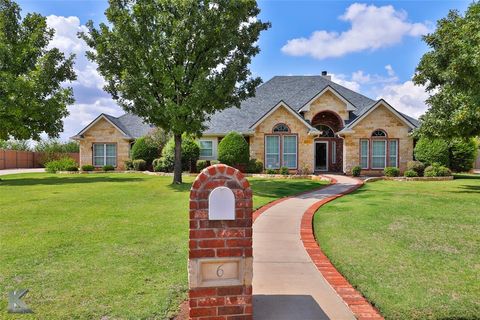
x=13, y=171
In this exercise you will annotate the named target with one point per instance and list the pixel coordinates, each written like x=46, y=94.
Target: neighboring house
x=107, y=140
x=306, y=123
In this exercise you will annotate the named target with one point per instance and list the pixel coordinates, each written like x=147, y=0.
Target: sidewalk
x=13, y=171
x=286, y=283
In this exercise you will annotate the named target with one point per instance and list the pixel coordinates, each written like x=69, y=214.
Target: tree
x=451, y=72
x=174, y=63
x=32, y=99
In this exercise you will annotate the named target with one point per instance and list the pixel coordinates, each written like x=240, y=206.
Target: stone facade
x=327, y=102
x=104, y=132
x=380, y=118
x=297, y=127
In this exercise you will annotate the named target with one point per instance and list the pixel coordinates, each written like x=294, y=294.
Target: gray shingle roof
x=131, y=125
x=296, y=91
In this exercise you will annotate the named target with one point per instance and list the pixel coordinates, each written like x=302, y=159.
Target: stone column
x=220, y=247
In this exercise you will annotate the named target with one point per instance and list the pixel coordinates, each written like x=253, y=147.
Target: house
x=306, y=123
x=107, y=140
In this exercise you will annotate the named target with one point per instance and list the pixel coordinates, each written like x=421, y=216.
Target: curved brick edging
x=360, y=307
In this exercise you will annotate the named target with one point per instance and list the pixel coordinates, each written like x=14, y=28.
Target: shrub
x=391, y=172
x=108, y=167
x=202, y=164
x=410, y=173
x=431, y=151
x=271, y=171
x=212, y=162
x=437, y=170
x=128, y=164
x=356, y=171
x=159, y=165
x=190, y=153
x=71, y=168
x=145, y=149
x=53, y=149
x=284, y=171
x=416, y=166
x=233, y=149
x=88, y=167
x=254, y=166
x=463, y=154
x=139, y=165
x=60, y=165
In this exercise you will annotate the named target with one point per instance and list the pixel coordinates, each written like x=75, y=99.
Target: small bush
x=416, y=166
x=160, y=165
x=410, y=173
x=463, y=154
x=190, y=154
x=284, y=171
x=271, y=171
x=356, y=171
x=139, y=165
x=213, y=162
x=254, y=166
x=437, y=170
x=202, y=164
x=108, y=167
x=145, y=149
x=88, y=167
x=128, y=164
x=233, y=149
x=60, y=165
x=391, y=172
x=71, y=168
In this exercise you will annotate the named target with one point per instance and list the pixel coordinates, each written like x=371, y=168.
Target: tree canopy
x=32, y=99
x=175, y=63
x=451, y=72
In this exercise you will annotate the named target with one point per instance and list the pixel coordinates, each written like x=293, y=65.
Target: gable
x=289, y=113
x=104, y=131
x=327, y=102
x=281, y=114
x=382, y=118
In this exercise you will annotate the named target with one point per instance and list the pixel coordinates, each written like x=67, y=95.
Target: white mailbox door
x=221, y=204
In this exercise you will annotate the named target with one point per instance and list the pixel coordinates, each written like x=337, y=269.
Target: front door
x=321, y=156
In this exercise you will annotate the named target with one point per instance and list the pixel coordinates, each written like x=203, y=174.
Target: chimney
x=326, y=75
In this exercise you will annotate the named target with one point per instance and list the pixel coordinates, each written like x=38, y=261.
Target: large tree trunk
x=177, y=168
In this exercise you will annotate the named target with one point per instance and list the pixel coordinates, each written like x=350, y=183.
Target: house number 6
x=220, y=271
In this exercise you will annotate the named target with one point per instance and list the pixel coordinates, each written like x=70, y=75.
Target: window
x=325, y=131
x=104, y=154
x=364, y=153
x=393, y=153
x=272, y=152
x=281, y=128
x=379, y=133
x=334, y=152
x=290, y=152
x=206, y=148
x=379, y=154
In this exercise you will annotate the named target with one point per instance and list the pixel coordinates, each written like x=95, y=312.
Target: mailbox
x=221, y=204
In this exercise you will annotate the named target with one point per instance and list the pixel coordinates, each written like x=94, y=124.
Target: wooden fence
x=12, y=159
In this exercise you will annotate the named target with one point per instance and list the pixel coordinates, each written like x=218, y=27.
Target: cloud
x=371, y=28
x=90, y=98
x=342, y=80
x=406, y=97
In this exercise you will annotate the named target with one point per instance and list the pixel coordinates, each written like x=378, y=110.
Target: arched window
x=325, y=131
x=281, y=128
x=379, y=133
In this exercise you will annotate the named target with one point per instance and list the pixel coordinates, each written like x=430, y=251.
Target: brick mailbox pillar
x=220, y=262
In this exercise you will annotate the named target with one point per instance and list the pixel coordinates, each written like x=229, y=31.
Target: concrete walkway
x=13, y=171
x=286, y=283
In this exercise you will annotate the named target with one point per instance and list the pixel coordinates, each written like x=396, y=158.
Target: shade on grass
x=113, y=245
x=412, y=248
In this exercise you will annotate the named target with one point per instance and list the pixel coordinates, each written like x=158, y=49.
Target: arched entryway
x=328, y=146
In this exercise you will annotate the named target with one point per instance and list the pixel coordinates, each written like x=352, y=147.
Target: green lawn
x=412, y=248
x=110, y=246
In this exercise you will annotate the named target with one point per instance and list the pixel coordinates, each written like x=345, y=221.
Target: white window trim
x=214, y=155
x=327, y=167
x=104, y=154
x=210, y=149
x=283, y=150
x=385, y=141
x=279, y=150
x=368, y=153
x=334, y=152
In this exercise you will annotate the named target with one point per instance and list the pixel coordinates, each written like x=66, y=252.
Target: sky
x=370, y=47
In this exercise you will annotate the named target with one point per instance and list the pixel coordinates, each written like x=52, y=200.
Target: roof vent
x=326, y=75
